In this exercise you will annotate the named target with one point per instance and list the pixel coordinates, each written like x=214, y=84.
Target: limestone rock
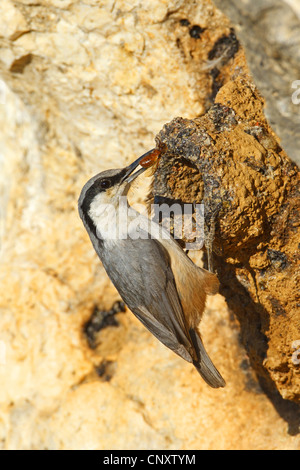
x=270, y=33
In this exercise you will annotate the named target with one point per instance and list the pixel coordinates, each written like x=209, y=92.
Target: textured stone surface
x=84, y=88
x=251, y=189
x=270, y=32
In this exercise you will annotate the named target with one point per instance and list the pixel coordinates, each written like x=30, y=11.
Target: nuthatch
x=156, y=279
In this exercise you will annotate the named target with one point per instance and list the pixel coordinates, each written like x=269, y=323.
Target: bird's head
x=103, y=191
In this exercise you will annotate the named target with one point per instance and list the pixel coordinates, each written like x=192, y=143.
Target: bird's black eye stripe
x=104, y=184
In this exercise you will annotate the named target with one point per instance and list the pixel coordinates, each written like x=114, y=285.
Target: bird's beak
x=129, y=175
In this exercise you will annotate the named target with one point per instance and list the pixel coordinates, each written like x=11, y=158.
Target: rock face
x=250, y=190
x=270, y=33
x=85, y=88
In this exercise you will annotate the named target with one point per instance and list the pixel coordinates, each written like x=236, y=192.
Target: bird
x=156, y=279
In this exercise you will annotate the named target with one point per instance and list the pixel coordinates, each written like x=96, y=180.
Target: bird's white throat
x=118, y=220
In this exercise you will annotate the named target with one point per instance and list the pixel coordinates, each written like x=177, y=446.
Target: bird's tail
x=204, y=364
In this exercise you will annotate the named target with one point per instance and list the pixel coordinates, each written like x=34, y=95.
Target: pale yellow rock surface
x=85, y=87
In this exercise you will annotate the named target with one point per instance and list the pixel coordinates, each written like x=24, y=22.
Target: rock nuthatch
x=156, y=279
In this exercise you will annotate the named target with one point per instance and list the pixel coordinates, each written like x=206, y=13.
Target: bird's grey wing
x=163, y=334
x=141, y=272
